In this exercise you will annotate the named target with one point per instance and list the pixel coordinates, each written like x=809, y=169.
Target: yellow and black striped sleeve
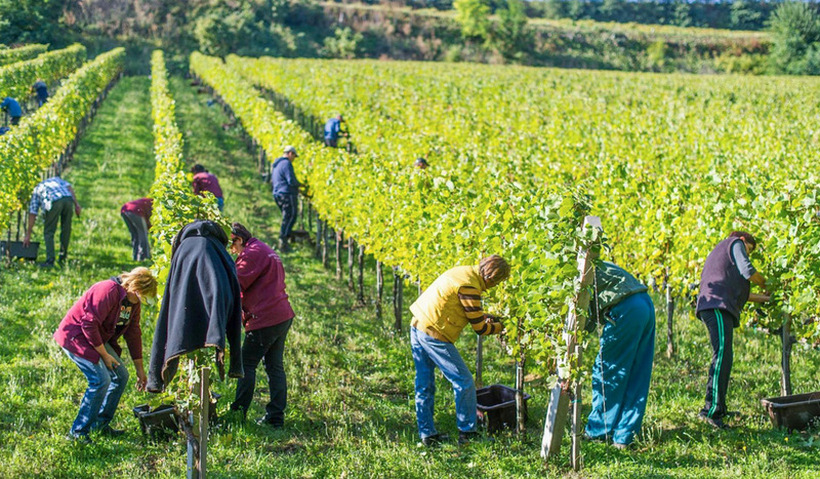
x=470, y=299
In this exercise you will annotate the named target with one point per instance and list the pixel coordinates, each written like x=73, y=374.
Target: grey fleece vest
x=721, y=284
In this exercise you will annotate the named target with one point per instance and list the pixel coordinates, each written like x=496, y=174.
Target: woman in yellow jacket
x=452, y=302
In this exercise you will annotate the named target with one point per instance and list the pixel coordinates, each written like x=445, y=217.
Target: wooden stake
x=556, y=419
x=785, y=357
x=398, y=286
x=520, y=405
x=350, y=246
x=479, y=362
x=576, y=417
x=325, y=248
x=205, y=402
x=339, y=271
x=192, y=468
x=318, y=252
x=379, y=288
x=670, y=314
x=360, y=294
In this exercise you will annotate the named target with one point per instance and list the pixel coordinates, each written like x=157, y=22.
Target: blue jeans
x=429, y=353
x=622, y=370
x=105, y=388
x=289, y=204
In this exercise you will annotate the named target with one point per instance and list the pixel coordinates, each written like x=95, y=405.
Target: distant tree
x=31, y=21
x=682, y=16
x=613, y=10
x=795, y=26
x=744, y=16
x=473, y=16
x=555, y=9
x=511, y=36
x=343, y=44
x=246, y=28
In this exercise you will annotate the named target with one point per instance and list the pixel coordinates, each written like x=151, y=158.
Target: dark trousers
x=289, y=204
x=331, y=142
x=720, y=325
x=15, y=120
x=267, y=343
x=61, y=211
x=138, y=228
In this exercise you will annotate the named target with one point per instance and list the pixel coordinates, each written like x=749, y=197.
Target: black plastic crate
x=496, y=407
x=796, y=412
x=17, y=250
x=161, y=423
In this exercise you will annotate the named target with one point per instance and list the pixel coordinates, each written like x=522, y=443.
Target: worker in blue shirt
x=41, y=89
x=285, y=193
x=13, y=108
x=333, y=130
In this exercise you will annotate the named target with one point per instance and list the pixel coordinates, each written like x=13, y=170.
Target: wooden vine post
x=520, y=405
x=360, y=292
x=326, y=232
x=198, y=449
x=339, y=270
x=670, y=313
x=786, y=342
x=398, y=286
x=564, y=391
x=379, y=287
x=318, y=252
x=350, y=246
x=479, y=362
x=263, y=165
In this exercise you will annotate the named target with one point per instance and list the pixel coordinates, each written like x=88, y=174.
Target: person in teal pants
x=623, y=367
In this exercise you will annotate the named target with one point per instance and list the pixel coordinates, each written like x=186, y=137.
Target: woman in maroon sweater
x=206, y=181
x=267, y=317
x=88, y=334
x=137, y=217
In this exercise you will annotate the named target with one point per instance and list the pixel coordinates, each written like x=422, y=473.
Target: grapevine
x=27, y=52
x=41, y=137
x=16, y=79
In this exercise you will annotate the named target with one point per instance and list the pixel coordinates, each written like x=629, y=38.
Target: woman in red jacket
x=88, y=334
x=267, y=316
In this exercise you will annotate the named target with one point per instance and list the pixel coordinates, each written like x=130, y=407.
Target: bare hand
x=142, y=380
x=78, y=209
x=110, y=362
x=26, y=241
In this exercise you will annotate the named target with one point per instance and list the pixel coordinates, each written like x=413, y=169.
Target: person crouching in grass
x=88, y=334
x=452, y=302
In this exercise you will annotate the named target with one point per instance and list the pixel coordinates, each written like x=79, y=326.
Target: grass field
x=351, y=379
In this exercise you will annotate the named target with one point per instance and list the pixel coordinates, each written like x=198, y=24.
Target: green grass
x=350, y=378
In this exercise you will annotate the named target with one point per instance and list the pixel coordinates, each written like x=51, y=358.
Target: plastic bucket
x=796, y=412
x=496, y=407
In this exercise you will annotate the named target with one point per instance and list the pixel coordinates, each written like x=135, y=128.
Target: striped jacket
x=452, y=302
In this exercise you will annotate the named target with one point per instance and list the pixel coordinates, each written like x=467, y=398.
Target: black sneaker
x=269, y=420
x=435, y=439
x=284, y=247
x=466, y=437
x=109, y=431
x=79, y=438
x=715, y=422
